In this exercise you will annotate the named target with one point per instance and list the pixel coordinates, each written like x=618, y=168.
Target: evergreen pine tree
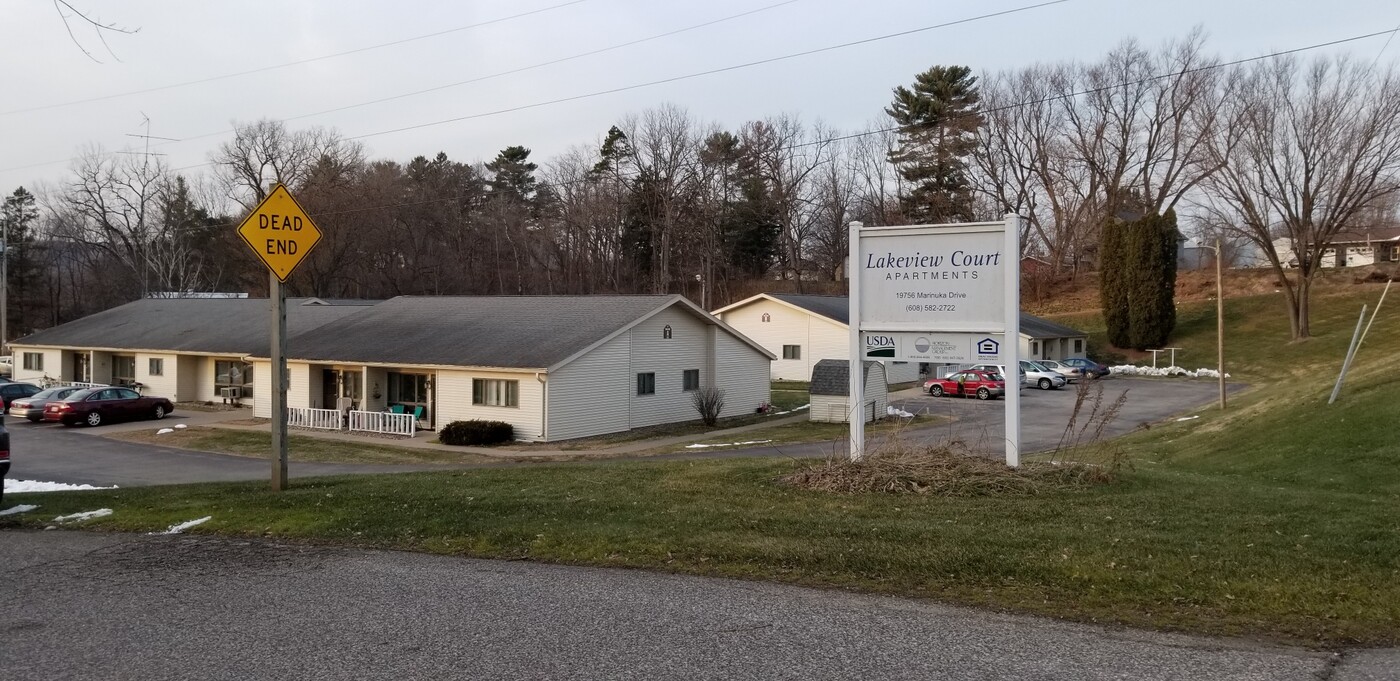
x=938, y=122
x=1113, y=281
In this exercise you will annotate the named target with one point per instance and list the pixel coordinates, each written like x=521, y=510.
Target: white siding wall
x=167, y=384
x=101, y=367
x=1052, y=348
x=592, y=394
x=376, y=379
x=454, y=402
x=298, y=385
x=741, y=371
x=786, y=326
x=186, y=377
x=53, y=365
x=262, y=387
x=901, y=372
x=668, y=359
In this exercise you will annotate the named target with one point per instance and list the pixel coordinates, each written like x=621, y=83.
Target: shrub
x=709, y=401
x=476, y=432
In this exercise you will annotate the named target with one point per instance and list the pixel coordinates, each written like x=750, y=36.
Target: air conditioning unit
x=231, y=394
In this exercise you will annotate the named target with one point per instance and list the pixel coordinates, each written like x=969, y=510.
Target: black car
x=9, y=392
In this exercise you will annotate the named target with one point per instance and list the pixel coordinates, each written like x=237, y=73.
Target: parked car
x=96, y=406
x=999, y=370
x=32, y=407
x=7, y=365
x=1070, y=373
x=9, y=392
x=4, y=458
x=1088, y=367
x=1042, y=377
x=986, y=385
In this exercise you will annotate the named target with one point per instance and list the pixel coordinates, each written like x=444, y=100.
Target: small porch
x=360, y=394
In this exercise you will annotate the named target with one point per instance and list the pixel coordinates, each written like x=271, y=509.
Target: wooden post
x=278, y=298
x=1220, y=321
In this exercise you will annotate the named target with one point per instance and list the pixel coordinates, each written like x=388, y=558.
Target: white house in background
x=803, y=330
x=554, y=367
x=831, y=391
x=1356, y=248
x=186, y=349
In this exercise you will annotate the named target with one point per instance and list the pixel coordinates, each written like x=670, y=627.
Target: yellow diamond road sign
x=280, y=232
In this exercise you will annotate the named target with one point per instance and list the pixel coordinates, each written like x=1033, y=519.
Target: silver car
x=1042, y=377
x=1071, y=374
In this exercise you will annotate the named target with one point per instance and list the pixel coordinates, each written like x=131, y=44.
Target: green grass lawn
x=787, y=400
x=1278, y=519
x=300, y=447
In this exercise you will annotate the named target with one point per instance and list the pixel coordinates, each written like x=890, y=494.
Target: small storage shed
x=831, y=388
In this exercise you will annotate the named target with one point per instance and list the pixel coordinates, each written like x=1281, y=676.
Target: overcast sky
x=185, y=41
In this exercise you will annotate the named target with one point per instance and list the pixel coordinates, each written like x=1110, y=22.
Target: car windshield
x=80, y=395
x=1037, y=367
x=994, y=377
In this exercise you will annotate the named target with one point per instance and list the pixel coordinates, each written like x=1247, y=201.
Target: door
x=329, y=388
x=129, y=403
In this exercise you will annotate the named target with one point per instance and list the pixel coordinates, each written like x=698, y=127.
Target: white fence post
x=383, y=422
x=316, y=419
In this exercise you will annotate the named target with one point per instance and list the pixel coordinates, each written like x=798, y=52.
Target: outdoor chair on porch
x=396, y=409
x=420, y=413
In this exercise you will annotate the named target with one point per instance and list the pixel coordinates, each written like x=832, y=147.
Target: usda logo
x=879, y=346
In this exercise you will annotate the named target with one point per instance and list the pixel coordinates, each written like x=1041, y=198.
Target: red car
x=984, y=384
x=96, y=406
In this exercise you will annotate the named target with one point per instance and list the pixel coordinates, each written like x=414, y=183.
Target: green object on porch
x=420, y=413
x=396, y=409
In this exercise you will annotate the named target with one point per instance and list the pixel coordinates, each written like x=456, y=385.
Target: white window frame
x=796, y=352
x=496, y=392
x=155, y=366
x=32, y=361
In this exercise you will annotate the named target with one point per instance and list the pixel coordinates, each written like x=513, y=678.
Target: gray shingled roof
x=832, y=377
x=837, y=309
x=235, y=326
x=528, y=332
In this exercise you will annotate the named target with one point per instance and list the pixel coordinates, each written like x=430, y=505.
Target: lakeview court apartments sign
x=938, y=294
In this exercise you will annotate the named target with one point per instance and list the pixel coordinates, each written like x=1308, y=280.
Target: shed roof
x=837, y=309
x=235, y=326
x=833, y=377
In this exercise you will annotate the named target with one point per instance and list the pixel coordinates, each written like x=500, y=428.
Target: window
x=408, y=388
x=123, y=369
x=155, y=366
x=767, y=317
x=646, y=384
x=233, y=374
x=1035, y=347
x=666, y=332
x=1079, y=345
x=690, y=380
x=34, y=361
x=495, y=393
x=1394, y=253
x=792, y=352
x=125, y=394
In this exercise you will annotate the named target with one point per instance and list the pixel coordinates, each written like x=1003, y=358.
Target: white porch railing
x=51, y=383
x=318, y=419
x=383, y=422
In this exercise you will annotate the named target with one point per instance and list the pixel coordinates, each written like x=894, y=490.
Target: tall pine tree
x=1137, y=280
x=19, y=216
x=938, y=121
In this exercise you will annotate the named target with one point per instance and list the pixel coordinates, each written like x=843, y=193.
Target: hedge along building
x=186, y=349
x=554, y=367
x=802, y=330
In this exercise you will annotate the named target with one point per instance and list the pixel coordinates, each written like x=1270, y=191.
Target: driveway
x=105, y=606
x=54, y=453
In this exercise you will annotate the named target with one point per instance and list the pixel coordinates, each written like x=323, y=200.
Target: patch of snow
x=27, y=486
x=163, y=431
x=181, y=527
x=1188, y=418
x=180, y=426
x=792, y=410
x=85, y=515
x=896, y=411
x=22, y=508
x=729, y=444
x=1131, y=370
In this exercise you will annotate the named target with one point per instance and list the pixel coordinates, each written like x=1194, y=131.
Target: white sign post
x=937, y=294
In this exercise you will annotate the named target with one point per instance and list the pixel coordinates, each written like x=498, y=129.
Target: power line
x=711, y=72
x=298, y=62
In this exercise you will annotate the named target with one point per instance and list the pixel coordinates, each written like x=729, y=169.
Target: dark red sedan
x=984, y=384
x=96, y=406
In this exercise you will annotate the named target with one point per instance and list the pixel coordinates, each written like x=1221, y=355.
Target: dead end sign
x=280, y=232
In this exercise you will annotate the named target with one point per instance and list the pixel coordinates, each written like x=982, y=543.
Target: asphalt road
x=53, y=453
x=104, y=606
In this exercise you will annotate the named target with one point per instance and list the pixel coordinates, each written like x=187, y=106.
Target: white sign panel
x=944, y=278
x=934, y=348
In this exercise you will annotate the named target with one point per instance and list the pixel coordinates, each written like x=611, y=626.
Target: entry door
x=329, y=388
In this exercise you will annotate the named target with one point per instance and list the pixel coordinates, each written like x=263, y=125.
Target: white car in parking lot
x=1070, y=373
x=1042, y=377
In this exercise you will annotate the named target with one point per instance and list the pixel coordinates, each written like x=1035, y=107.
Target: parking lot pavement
x=1045, y=413
x=50, y=452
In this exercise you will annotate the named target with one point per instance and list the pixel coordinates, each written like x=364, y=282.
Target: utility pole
x=5, y=287
x=1220, y=321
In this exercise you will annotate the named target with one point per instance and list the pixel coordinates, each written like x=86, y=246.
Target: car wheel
x=984, y=394
x=158, y=413
x=1045, y=384
x=34, y=419
x=93, y=419
x=936, y=391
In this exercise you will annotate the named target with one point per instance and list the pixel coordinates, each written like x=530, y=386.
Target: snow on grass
x=180, y=426
x=27, y=486
x=181, y=527
x=896, y=411
x=1188, y=418
x=22, y=508
x=792, y=410
x=163, y=431
x=85, y=515
x=1131, y=370
x=729, y=444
